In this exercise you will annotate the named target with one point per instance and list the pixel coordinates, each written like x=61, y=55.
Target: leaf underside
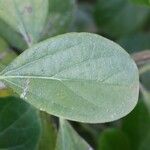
x=79, y=76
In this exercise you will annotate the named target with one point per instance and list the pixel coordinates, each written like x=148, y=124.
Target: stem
x=61, y=121
x=27, y=38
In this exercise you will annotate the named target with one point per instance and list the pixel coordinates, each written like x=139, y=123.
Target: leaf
x=48, y=135
x=136, y=126
x=26, y=17
x=19, y=125
x=68, y=139
x=118, y=18
x=79, y=76
x=136, y=42
x=145, y=80
x=135, y=133
x=146, y=2
x=16, y=40
x=113, y=139
x=59, y=17
x=6, y=54
x=84, y=20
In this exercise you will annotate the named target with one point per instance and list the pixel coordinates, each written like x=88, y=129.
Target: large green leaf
x=120, y=17
x=113, y=139
x=25, y=16
x=19, y=125
x=79, y=76
x=60, y=17
x=137, y=127
x=68, y=139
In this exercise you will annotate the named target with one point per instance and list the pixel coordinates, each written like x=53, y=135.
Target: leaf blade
x=82, y=72
x=22, y=16
x=139, y=119
x=24, y=119
x=59, y=17
x=113, y=139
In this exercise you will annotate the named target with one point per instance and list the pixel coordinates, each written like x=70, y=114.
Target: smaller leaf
x=68, y=139
x=113, y=139
x=84, y=21
x=59, y=17
x=137, y=127
x=118, y=18
x=6, y=54
x=136, y=42
x=11, y=36
x=19, y=125
x=26, y=17
x=48, y=135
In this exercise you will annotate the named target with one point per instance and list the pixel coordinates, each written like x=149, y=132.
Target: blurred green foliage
x=126, y=22
x=134, y=133
x=113, y=139
x=19, y=124
x=146, y=2
x=118, y=18
x=6, y=54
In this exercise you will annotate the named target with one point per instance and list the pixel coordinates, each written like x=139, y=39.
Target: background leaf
x=135, y=43
x=60, y=17
x=68, y=139
x=6, y=54
x=19, y=125
x=48, y=133
x=133, y=133
x=118, y=18
x=12, y=37
x=79, y=76
x=146, y=2
x=113, y=139
x=26, y=17
x=136, y=127
x=83, y=19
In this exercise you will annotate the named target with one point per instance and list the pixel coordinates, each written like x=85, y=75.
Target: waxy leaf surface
x=79, y=76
